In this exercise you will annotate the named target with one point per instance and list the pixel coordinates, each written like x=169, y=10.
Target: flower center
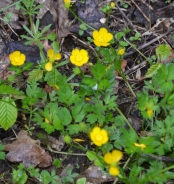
x=79, y=57
x=98, y=137
x=17, y=59
x=101, y=39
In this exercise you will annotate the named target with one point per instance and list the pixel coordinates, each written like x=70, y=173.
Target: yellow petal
x=95, y=34
x=117, y=155
x=48, y=66
x=109, y=37
x=103, y=31
x=57, y=56
x=75, y=52
x=50, y=53
x=114, y=171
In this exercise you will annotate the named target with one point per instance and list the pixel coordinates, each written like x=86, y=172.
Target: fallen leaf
x=27, y=151
x=95, y=175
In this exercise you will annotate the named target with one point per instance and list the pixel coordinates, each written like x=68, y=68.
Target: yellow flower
x=99, y=136
x=52, y=56
x=79, y=57
x=142, y=146
x=17, y=58
x=67, y=1
x=113, y=157
x=149, y=113
x=56, y=86
x=102, y=37
x=87, y=99
x=48, y=66
x=112, y=4
x=114, y=171
x=46, y=120
x=121, y=52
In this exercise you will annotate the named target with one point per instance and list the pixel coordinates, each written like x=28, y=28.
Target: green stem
x=81, y=20
x=3, y=9
x=65, y=153
x=37, y=41
x=136, y=49
x=128, y=160
x=156, y=173
x=126, y=81
x=130, y=126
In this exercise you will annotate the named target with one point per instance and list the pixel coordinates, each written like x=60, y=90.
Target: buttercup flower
x=142, y=146
x=99, y=136
x=17, y=58
x=114, y=171
x=48, y=66
x=67, y=3
x=102, y=37
x=79, y=57
x=112, y=4
x=121, y=52
x=52, y=56
x=149, y=113
x=113, y=157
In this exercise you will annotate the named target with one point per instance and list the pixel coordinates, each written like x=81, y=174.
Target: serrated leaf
x=163, y=51
x=153, y=70
x=64, y=115
x=8, y=113
x=81, y=181
x=35, y=75
x=4, y=90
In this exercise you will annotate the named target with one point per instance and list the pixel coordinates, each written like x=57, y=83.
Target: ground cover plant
x=82, y=108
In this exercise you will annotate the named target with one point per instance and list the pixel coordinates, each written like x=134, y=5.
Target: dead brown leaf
x=63, y=22
x=27, y=151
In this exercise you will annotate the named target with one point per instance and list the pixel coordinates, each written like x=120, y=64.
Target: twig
x=125, y=17
x=141, y=11
x=149, y=43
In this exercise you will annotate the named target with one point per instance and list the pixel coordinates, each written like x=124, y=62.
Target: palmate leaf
x=153, y=70
x=8, y=90
x=35, y=75
x=8, y=113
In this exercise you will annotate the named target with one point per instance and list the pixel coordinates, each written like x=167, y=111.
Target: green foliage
x=81, y=181
x=19, y=176
x=153, y=70
x=35, y=75
x=2, y=154
x=8, y=90
x=163, y=51
x=8, y=113
x=70, y=177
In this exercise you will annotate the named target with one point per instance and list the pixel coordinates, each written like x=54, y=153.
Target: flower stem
x=65, y=153
x=124, y=167
x=81, y=19
x=130, y=126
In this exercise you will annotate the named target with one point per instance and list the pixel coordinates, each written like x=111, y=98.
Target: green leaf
x=26, y=28
x=81, y=181
x=35, y=75
x=8, y=113
x=64, y=115
x=4, y=90
x=92, y=118
x=98, y=70
x=163, y=51
x=53, y=77
x=83, y=27
x=78, y=113
x=51, y=36
x=56, y=46
x=119, y=35
x=153, y=70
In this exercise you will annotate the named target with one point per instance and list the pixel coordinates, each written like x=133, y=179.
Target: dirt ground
x=154, y=20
